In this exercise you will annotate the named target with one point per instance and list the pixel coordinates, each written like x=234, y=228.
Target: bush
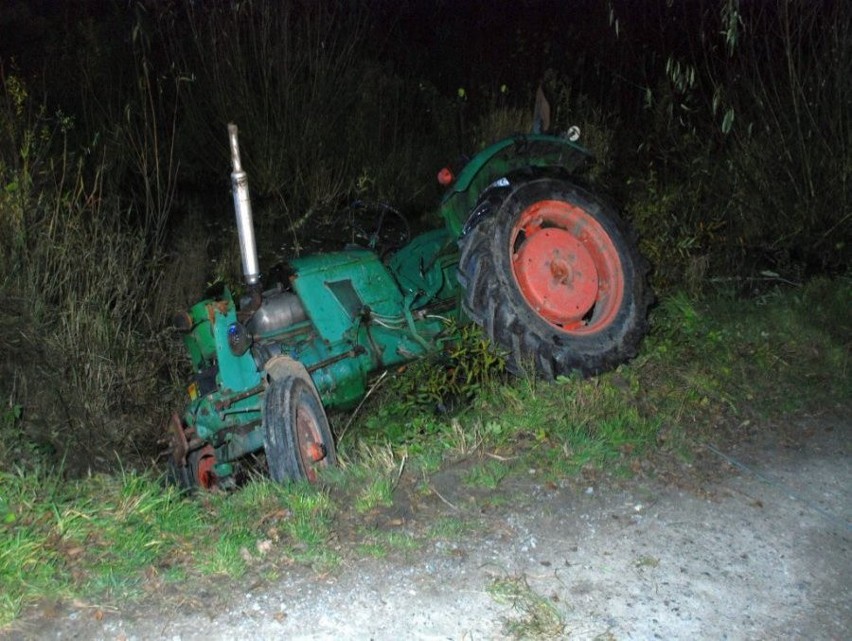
x=78, y=277
x=748, y=150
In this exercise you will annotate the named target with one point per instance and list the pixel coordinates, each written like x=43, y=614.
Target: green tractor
x=546, y=268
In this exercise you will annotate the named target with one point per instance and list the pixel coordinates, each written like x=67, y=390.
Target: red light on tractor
x=445, y=176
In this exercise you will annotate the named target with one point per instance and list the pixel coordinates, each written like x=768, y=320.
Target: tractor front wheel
x=554, y=276
x=297, y=438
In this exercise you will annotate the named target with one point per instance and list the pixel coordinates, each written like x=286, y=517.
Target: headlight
x=239, y=340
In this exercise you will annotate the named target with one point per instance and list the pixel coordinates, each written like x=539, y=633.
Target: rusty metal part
x=355, y=351
x=204, y=461
x=315, y=452
x=177, y=437
x=225, y=403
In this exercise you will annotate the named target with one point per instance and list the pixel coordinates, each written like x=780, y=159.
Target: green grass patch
x=377, y=493
x=379, y=543
x=102, y=537
x=450, y=528
x=487, y=474
x=707, y=362
x=264, y=519
x=95, y=536
x=535, y=616
x=785, y=351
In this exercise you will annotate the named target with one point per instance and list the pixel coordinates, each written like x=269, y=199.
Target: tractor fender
x=484, y=209
x=281, y=366
x=521, y=153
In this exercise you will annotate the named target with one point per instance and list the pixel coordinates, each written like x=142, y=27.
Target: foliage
x=488, y=474
x=678, y=235
x=95, y=536
x=294, y=520
x=722, y=128
x=13, y=444
x=792, y=148
x=105, y=537
x=499, y=119
x=746, y=142
x=537, y=617
x=598, y=124
x=79, y=268
x=704, y=364
x=450, y=377
x=715, y=355
x=378, y=543
x=378, y=493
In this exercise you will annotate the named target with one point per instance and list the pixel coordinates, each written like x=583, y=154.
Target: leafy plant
x=747, y=154
x=320, y=121
x=442, y=381
x=709, y=365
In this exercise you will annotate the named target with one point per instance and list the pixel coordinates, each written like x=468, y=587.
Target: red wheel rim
x=312, y=450
x=567, y=267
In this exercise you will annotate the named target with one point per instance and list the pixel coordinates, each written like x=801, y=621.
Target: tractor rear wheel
x=554, y=276
x=297, y=438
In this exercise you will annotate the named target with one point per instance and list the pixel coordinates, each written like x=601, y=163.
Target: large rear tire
x=297, y=437
x=553, y=275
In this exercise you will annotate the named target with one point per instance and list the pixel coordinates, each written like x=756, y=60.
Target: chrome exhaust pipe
x=242, y=209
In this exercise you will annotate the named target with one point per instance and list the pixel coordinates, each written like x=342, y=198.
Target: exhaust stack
x=242, y=209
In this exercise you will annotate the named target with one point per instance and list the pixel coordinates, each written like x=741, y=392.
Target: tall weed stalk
x=792, y=148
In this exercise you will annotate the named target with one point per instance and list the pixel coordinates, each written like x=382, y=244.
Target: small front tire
x=297, y=438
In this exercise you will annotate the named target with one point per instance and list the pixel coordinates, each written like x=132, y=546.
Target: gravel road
x=754, y=545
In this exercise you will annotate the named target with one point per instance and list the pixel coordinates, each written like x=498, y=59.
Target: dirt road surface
x=750, y=542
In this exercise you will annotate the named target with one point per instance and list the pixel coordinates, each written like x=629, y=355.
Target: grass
x=487, y=474
x=536, y=618
x=708, y=365
x=94, y=536
x=105, y=537
x=449, y=528
x=379, y=543
x=378, y=493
